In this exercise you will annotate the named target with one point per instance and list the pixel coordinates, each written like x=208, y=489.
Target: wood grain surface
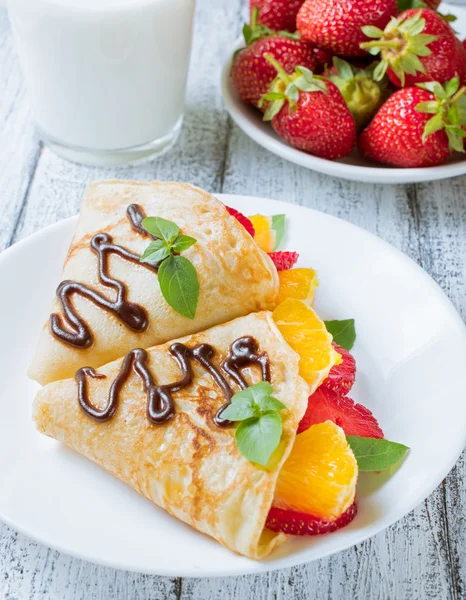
x=421, y=557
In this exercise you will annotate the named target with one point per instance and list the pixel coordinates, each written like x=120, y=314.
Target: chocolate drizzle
x=70, y=328
x=136, y=216
x=160, y=404
x=243, y=352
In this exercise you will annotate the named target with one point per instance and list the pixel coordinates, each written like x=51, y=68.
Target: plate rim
x=287, y=561
x=382, y=175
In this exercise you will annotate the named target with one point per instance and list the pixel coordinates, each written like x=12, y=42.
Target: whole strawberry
x=335, y=25
x=362, y=94
x=277, y=14
x=252, y=74
x=310, y=113
x=415, y=47
x=418, y=126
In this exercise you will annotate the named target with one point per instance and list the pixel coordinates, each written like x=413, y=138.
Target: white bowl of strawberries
x=369, y=91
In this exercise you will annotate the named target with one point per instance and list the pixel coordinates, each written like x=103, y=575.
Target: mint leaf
x=179, y=285
x=182, y=243
x=155, y=252
x=343, y=332
x=278, y=226
x=160, y=228
x=258, y=437
x=373, y=454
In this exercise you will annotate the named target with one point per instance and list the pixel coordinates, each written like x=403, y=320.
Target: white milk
x=106, y=78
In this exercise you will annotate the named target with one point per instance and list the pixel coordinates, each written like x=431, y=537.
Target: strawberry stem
x=254, y=17
x=280, y=70
x=394, y=44
x=458, y=94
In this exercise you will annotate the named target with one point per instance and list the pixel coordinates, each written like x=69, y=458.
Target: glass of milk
x=106, y=78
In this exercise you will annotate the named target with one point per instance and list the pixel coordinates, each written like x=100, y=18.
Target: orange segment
x=298, y=283
x=265, y=235
x=319, y=477
x=308, y=336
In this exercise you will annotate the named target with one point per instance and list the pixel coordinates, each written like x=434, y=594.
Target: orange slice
x=319, y=477
x=298, y=283
x=308, y=336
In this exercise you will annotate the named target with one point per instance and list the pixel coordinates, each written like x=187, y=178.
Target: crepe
x=235, y=276
x=189, y=466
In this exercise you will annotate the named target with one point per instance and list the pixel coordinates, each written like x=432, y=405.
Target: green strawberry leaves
x=400, y=46
x=448, y=110
x=286, y=88
x=176, y=274
x=374, y=454
x=260, y=429
x=343, y=332
x=256, y=31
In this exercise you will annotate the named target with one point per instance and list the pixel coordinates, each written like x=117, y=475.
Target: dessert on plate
x=241, y=428
x=110, y=302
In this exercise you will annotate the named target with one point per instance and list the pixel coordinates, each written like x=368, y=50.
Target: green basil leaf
x=343, y=332
x=179, y=285
x=160, y=228
x=155, y=252
x=182, y=243
x=278, y=226
x=240, y=409
x=270, y=404
x=258, y=437
x=375, y=454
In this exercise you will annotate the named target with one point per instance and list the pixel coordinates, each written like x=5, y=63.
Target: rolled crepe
x=189, y=466
x=235, y=276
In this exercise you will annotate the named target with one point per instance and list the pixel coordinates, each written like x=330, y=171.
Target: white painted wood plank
x=19, y=149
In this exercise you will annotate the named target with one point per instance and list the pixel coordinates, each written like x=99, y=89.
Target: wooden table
x=424, y=555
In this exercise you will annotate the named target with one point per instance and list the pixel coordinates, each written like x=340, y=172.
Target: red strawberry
x=342, y=376
x=310, y=113
x=418, y=46
x=362, y=94
x=417, y=127
x=252, y=73
x=276, y=14
x=284, y=260
x=354, y=419
x=298, y=523
x=245, y=222
x=335, y=25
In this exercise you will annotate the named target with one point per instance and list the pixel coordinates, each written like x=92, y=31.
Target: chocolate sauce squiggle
x=70, y=328
x=243, y=352
x=136, y=216
x=160, y=403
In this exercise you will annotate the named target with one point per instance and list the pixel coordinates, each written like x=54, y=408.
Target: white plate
x=411, y=352
x=353, y=167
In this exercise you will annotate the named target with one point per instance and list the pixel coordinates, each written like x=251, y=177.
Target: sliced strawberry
x=245, y=222
x=284, y=260
x=342, y=376
x=354, y=419
x=298, y=523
